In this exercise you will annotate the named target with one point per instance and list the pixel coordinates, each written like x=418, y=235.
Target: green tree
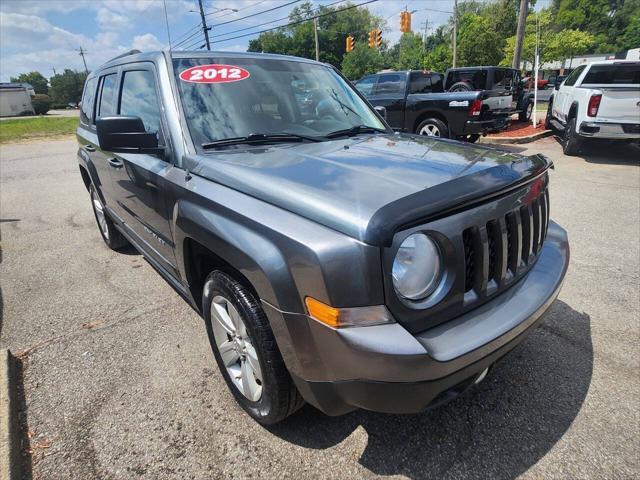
x=35, y=79
x=361, y=61
x=478, y=42
x=439, y=59
x=332, y=33
x=568, y=43
x=67, y=87
x=41, y=103
x=410, y=55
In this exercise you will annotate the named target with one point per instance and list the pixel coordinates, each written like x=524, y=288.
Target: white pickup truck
x=597, y=100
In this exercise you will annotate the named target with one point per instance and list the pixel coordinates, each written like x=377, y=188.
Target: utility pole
x=205, y=29
x=82, y=52
x=54, y=71
x=522, y=19
x=455, y=31
x=315, y=31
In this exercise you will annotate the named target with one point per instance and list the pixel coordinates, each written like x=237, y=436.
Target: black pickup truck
x=416, y=102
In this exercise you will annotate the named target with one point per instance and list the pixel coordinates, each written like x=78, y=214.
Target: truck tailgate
x=619, y=105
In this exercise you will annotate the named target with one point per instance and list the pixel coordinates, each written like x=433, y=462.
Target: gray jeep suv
x=333, y=260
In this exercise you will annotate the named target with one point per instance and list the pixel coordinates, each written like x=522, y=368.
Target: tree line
x=486, y=35
x=60, y=89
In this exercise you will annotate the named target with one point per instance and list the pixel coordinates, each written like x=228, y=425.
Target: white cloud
x=109, y=20
x=147, y=42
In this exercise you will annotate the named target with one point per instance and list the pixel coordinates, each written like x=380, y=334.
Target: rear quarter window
x=88, y=101
x=619, y=74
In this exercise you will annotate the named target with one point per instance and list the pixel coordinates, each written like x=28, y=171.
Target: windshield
x=232, y=97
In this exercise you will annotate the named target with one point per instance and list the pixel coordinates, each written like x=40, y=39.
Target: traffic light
x=350, y=43
x=372, y=39
x=378, y=38
x=405, y=21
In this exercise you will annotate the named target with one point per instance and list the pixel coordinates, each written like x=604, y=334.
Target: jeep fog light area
x=332, y=260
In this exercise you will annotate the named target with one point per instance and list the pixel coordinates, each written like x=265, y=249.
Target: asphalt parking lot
x=120, y=381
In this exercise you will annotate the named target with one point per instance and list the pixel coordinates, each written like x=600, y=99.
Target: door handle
x=115, y=163
x=89, y=148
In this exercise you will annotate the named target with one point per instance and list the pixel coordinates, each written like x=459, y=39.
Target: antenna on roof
x=166, y=19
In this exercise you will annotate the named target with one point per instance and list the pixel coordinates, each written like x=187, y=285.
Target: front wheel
x=433, y=127
x=547, y=121
x=110, y=234
x=572, y=141
x=246, y=351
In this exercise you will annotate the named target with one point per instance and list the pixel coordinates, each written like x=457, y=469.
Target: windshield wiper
x=350, y=132
x=261, y=138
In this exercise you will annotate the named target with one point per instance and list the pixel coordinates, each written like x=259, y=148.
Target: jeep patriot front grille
x=502, y=248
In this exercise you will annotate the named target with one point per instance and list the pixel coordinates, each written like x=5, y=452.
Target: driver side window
x=139, y=99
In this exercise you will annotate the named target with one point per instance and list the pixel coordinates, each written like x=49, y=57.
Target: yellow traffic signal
x=350, y=43
x=405, y=22
x=372, y=39
x=378, y=38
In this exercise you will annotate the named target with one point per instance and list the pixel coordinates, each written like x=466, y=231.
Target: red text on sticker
x=217, y=73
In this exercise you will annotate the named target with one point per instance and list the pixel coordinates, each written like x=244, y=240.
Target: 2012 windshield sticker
x=217, y=73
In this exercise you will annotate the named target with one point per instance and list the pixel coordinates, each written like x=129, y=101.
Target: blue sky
x=45, y=34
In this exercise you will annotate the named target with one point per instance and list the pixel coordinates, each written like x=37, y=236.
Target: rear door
x=138, y=180
x=501, y=91
x=389, y=92
x=564, y=96
x=105, y=106
x=620, y=87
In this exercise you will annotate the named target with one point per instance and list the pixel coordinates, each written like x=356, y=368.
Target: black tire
x=525, y=115
x=279, y=397
x=110, y=234
x=461, y=87
x=547, y=121
x=435, y=125
x=571, y=140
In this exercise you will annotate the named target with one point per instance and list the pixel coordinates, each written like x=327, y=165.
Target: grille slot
x=469, y=259
x=527, y=227
x=492, y=238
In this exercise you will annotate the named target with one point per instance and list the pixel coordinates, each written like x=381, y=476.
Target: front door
x=138, y=180
x=389, y=93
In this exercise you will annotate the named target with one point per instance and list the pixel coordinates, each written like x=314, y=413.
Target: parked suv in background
x=597, y=100
x=415, y=102
x=507, y=89
x=332, y=259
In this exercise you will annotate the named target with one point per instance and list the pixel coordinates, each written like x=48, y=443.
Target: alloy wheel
x=100, y=215
x=236, y=348
x=430, y=130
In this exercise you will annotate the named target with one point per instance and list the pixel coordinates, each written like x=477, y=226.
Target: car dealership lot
x=120, y=381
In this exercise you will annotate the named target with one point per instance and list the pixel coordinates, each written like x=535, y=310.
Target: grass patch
x=36, y=127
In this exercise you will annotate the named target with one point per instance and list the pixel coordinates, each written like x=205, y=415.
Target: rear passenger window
x=107, y=105
x=86, y=108
x=390, y=84
x=420, y=83
x=139, y=99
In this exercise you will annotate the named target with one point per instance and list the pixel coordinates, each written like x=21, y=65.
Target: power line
x=258, y=13
x=299, y=21
x=180, y=38
x=255, y=4
x=272, y=21
x=188, y=39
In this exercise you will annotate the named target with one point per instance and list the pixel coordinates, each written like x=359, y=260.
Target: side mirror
x=126, y=135
x=381, y=111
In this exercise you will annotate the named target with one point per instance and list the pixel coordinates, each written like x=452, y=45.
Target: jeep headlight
x=417, y=267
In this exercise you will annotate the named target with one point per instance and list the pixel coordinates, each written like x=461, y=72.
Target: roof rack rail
x=125, y=54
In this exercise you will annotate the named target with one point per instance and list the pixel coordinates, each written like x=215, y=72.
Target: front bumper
x=619, y=131
x=385, y=368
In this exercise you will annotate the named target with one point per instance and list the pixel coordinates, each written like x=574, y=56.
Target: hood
x=366, y=186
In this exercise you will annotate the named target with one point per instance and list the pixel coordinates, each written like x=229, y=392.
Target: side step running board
x=557, y=125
